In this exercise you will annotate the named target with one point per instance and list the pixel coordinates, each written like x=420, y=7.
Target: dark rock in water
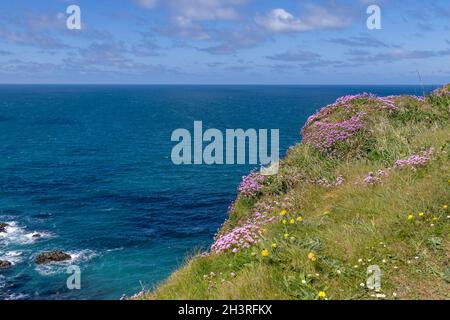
x=3, y=226
x=5, y=264
x=36, y=235
x=52, y=256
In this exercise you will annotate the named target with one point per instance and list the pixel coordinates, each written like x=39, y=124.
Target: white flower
x=394, y=294
x=362, y=284
x=304, y=281
x=384, y=261
x=360, y=260
x=338, y=271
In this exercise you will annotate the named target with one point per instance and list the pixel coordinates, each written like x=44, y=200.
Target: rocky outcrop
x=3, y=226
x=52, y=256
x=5, y=264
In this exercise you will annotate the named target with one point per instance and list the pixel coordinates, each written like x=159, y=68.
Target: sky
x=225, y=42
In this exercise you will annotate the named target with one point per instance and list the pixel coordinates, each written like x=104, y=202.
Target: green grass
x=346, y=227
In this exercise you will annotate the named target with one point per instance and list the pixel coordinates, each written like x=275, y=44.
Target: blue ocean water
x=89, y=168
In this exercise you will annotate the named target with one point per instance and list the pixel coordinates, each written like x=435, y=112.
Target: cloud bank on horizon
x=225, y=42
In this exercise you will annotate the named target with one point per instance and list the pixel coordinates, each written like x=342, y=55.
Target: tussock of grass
x=347, y=227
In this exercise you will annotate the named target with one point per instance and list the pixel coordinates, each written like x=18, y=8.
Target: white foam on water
x=77, y=257
x=17, y=235
x=12, y=256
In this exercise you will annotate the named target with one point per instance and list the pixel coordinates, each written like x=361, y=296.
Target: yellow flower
x=312, y=256
x=299, y=219
x=322, y=294
x=265, y=253
x=326, y=212
x=445, y=206
x=274, y=245
x=284, y=221
x=286, y=235
x=292, y=221
x=283, y=213
x=410, y=217
x=421, y=214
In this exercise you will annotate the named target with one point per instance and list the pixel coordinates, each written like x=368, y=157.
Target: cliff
x=368, y=186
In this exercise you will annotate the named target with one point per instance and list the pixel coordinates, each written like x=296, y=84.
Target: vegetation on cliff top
x=368, y=185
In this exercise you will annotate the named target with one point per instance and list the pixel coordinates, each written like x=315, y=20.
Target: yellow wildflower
x=265, y=253
x=312, y=256
x=286, y=235
x=326, y=212
x=322, y=294
x=274, y=245
x=283, y=213
x=292, y=221
x=410, y=217
x=299, y=219
x=284, y=221
x=421, y=214
x=445, y=206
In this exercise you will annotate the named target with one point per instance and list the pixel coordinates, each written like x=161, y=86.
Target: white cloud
x=315, y=17
x=208, y=9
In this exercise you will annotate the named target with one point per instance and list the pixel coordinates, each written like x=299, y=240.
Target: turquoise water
x=88, y=168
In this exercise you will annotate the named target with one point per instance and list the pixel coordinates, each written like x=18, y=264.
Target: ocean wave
x=16, y=234
x=14, y=257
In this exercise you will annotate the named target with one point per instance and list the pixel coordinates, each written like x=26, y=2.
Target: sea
x=87, y=169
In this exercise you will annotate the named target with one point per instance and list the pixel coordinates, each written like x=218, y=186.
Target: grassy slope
x=347, y=227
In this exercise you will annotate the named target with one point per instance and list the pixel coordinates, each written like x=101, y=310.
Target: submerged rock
x=5, y=264
x=52, y=256
x=3, y=226
x=36, y=235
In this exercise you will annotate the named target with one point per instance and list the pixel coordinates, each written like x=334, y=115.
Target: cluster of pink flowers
x=251, y=184
x=416, y=160
x=327, y=184
x=239, y=237
x=323, y=135
x=345, y=103
x=413, y=162
x=243, y=236
x=373, y=178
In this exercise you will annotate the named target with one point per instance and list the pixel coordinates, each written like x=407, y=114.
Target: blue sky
x=225, y=42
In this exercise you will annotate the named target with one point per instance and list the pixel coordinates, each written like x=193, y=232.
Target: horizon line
x=215, y=84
